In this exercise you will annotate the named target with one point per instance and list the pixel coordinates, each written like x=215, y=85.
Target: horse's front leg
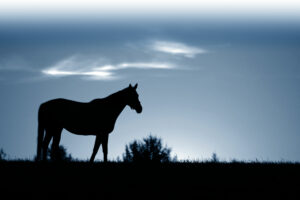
x=96, y=147
x=104, y=146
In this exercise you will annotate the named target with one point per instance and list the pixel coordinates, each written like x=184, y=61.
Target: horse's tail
x=40, y=136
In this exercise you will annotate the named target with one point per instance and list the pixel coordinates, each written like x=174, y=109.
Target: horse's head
x=133, y=99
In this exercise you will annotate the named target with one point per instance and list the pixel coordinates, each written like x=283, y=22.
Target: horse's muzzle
x=139, y=109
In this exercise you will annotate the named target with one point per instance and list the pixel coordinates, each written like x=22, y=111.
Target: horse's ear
x=136, y=85
x=130, y=85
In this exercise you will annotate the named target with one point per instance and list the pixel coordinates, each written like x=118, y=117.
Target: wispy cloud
x=177, y=48
x=138, y=65
x=92, y=73
x=102, y=69
x=77, y=66
x=93, y=69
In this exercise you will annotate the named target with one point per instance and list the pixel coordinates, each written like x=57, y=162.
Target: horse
x=97, y=117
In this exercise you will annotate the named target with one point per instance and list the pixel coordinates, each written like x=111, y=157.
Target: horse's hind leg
x=46, y=142
x=96, y=147
x=104, y=146
x=55, y=144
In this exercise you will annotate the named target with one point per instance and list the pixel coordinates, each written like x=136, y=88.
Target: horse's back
x=77, y=117
x=60, y=101
x=60, y=109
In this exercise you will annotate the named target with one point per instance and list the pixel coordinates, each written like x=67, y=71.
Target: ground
x=82, y=180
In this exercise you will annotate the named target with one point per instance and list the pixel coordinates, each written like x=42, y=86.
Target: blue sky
x=206, y=84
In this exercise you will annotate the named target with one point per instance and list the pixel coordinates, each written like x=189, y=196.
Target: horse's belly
x=89, y=130
x=81, y=131
x=87, y=123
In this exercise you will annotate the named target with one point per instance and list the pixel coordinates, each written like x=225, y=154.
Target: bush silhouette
x=2, y=155
x=60, y=155
x=148, y=150
x=214, y=158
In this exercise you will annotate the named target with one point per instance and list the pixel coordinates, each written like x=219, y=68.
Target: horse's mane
x=110, y=97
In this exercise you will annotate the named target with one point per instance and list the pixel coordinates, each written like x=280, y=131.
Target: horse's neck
x=118, y=108
x=117, y=103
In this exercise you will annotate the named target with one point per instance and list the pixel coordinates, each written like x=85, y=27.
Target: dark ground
x=80, y=180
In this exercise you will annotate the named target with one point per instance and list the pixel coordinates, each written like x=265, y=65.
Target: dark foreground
x=80, y=180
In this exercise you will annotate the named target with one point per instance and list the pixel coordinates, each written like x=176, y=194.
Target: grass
x=220, y=180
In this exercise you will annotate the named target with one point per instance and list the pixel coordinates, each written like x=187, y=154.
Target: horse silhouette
x=97, y=117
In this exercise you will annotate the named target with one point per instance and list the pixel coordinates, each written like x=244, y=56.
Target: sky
x=220, y=77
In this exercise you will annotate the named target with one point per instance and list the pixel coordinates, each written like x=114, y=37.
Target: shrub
x=148, y=150
x=2, y=155
x=214, y=158
x=60, y=155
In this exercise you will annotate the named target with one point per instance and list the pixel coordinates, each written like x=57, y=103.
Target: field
x=206, y=180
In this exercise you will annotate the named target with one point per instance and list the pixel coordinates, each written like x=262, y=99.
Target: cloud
x=96, y=74
x=177, y=48
x=138, y=65
x=93, y=69
x=103, y=69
